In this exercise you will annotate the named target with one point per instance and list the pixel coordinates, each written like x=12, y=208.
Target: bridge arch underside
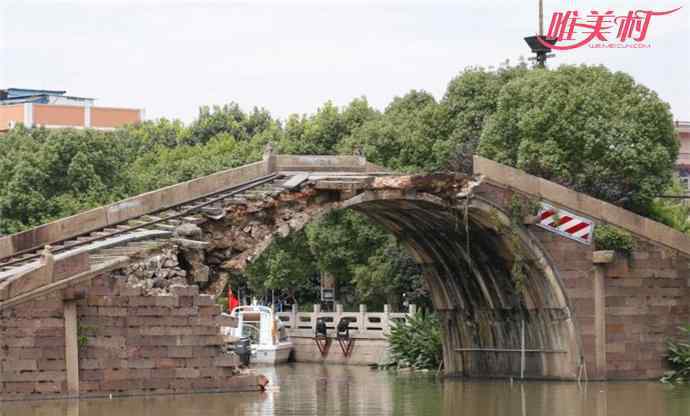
x=486, y=278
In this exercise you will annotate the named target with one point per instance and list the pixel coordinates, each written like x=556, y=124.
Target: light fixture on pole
x=541, y=51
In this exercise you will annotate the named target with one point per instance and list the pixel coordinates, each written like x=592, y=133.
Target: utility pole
x=541, y=17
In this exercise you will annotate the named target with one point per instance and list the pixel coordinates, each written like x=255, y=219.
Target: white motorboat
x=269, y=341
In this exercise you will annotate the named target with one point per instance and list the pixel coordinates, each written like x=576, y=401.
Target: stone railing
x=363, y=324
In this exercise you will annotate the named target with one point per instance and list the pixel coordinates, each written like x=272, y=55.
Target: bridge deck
x=127, y=233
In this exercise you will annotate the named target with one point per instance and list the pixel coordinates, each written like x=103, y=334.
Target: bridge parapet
x=363, y=324
x=151, y=202
x=508, y=177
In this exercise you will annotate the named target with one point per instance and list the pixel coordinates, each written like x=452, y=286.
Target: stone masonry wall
x=647, y=297
x=130, y=342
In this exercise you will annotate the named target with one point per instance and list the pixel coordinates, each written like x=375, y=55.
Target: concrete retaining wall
x=364, y=351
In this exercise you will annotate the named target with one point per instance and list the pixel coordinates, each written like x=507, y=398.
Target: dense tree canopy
x=596, y=131
x=585, y=127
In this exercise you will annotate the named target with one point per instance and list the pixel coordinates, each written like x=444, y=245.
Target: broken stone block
x=190, y=231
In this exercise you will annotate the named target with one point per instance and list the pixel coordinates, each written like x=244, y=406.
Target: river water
x=306, y=389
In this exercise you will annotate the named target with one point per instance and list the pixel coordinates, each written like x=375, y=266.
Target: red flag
x=232, y=300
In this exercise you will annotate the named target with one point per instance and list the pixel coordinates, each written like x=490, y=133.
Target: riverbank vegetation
x=416, y=343
x=585, y=127
x=679, y=359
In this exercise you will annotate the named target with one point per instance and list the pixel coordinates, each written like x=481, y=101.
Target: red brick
x=120, y=385
x=21, y=387
x=181, y=384
x=184, y=311
x=167, y=301
x=141, y=363
x=48, y=387
x=19, y=365
x=205, y=384
x=156, y=384
x=204, y=300
x=186, y=373
x=113, y=374
x=166, y=363
x=17, y=342
x=186, y=301
x=212, y=310
x=198, y=362
x=35, y=376
x=89, y=364
x=51, y=364
x=181, y=352
x=91, y=375
x=140, y=301
x=162, y=373
x=86, y=386
x=184, y=290
x=226, y=361
x=111, y=311
x=130, y=291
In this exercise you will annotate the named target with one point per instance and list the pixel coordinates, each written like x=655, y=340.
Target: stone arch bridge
x=513, y=297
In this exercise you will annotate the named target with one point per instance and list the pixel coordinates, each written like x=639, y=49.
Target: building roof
x=30, y=95
x=27, y=92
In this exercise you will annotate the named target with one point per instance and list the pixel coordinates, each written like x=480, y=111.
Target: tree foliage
x=588, y=128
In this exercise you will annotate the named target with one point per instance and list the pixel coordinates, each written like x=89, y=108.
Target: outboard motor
x=321, y=337
x=343, y=328
x=321, y=330
x=243, y=349
x=343, y=336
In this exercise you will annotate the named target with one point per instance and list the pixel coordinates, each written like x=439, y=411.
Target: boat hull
x=271, y=354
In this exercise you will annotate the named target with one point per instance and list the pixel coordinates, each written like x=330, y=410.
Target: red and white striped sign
x=566, y=223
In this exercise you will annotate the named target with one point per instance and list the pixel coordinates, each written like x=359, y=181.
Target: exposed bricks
x=132, y=343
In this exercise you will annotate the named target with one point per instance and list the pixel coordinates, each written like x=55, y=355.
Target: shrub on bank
x=416, y=343
x=609, y=237
x=679, y=358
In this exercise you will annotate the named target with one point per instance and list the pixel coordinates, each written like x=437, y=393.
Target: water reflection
x=338, y=390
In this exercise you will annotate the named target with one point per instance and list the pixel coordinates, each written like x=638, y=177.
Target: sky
x=171, y=57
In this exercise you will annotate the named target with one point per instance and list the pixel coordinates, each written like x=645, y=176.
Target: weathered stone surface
x=189, y=231
x=132, y=339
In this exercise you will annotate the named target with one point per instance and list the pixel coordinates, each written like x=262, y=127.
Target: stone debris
x=189, y=231
x=155, y=274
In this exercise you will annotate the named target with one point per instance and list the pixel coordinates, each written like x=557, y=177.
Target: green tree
x=595, y=131
x=389, y=276
x=287, y=265
x=403, y=137
x=49, y=174
x=322, y=133
x=470, y=98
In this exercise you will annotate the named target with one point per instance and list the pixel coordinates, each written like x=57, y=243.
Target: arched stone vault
x=468, y=266
x=470, y=254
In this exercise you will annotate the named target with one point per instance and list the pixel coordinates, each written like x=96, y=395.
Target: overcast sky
x=172, y=56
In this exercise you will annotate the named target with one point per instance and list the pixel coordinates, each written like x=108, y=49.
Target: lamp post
x=541, y=52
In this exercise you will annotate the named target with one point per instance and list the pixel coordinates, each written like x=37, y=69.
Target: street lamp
x=541, y=51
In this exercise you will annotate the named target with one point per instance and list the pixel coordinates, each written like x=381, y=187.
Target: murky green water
x=305, y=389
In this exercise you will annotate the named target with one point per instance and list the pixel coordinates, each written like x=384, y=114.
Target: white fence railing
x=363, y=324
